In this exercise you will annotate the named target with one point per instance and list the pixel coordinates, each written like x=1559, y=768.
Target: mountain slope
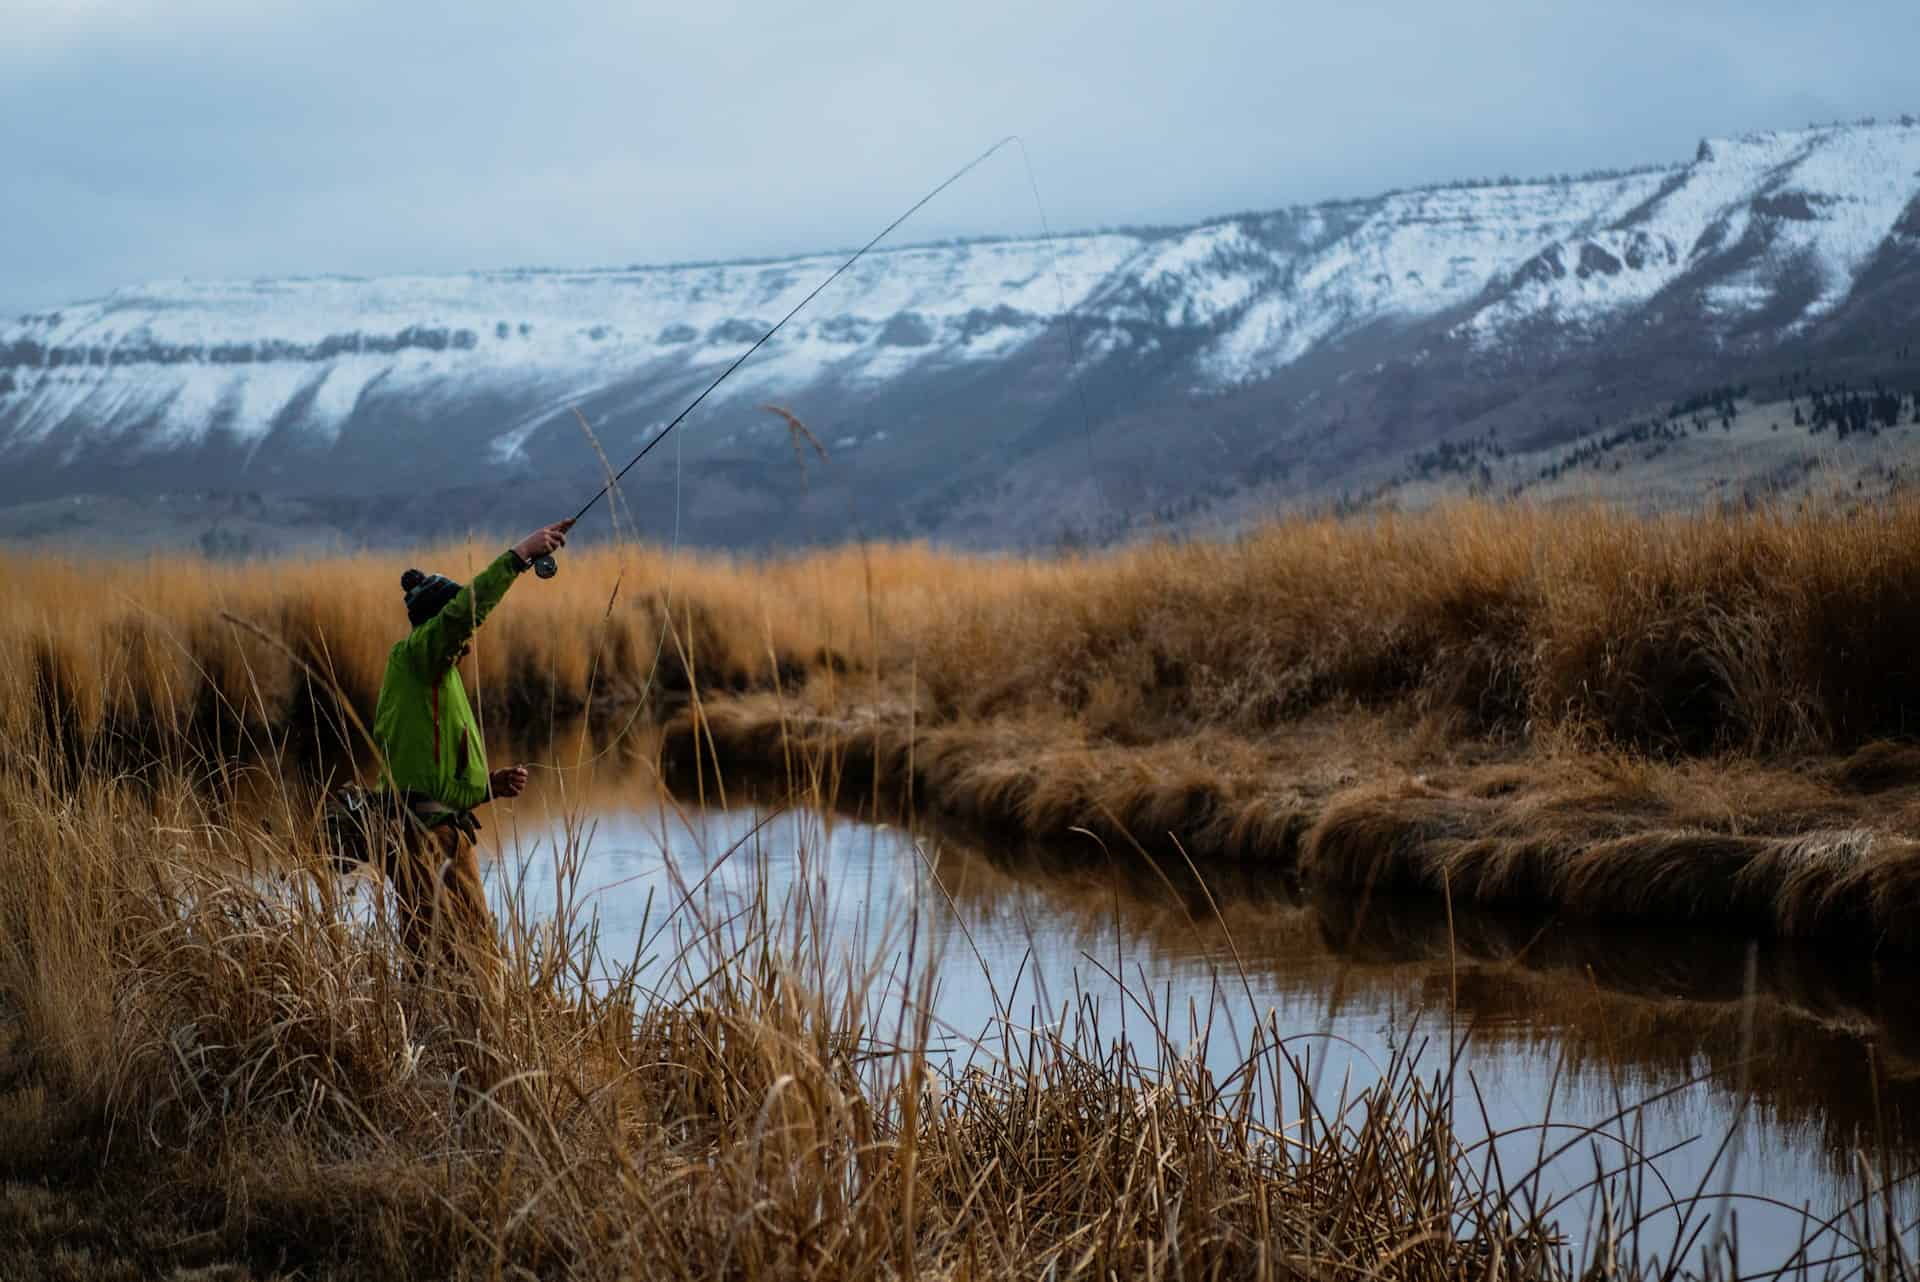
x=995, y=392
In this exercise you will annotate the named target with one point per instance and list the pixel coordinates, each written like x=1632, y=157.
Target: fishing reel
x=545, y=566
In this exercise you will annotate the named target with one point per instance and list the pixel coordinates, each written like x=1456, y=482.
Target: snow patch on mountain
x=1844, y=201
x=1416, y=254
x=1192, y=280
x=1757, y=206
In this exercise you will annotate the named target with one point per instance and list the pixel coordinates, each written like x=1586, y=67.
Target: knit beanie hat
x=427, y=594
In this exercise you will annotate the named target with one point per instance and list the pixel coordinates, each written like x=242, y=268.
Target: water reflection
x=1815, y=1060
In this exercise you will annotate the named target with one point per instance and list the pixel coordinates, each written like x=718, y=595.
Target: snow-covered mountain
x=997, y=391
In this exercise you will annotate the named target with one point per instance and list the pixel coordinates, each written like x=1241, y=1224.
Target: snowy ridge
x=1759, y=207
x=187, y=357
x=1417, y=254
x=1769, y=230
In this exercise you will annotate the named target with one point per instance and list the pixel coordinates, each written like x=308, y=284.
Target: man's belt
x=431, y=812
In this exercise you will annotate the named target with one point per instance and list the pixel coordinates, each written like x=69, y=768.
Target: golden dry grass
x=226, y=1070
x=1761, y=631
x=1469, y=701
x=214, y=1069
x=214, y=1065
x=1825, y=851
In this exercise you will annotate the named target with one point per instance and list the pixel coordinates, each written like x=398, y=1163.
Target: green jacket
x=423, y=723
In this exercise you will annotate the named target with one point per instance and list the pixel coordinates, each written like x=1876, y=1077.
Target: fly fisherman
x=436, y=765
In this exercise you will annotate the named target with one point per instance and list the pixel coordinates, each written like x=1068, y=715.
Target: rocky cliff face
x=995, y=392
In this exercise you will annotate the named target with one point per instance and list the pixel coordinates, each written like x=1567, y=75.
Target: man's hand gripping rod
x=544, y=566
x=537, y=549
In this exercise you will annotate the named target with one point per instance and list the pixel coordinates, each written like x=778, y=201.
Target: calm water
x=1793, y=1071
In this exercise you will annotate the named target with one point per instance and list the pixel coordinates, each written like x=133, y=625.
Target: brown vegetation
x=1758, y=632
x=214, y=1063
x=1688, y=718
x=1794, y=849
x=216, y=1069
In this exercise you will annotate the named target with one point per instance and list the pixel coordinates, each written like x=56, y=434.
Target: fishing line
x=546, y=566
x=1074, y=372
x=1075, y=375
x=582, y=761
x=741, y=359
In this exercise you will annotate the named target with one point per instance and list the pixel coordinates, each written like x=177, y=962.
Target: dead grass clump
x=1679, y=635
x=1764, y=631
x=1031, y=781
x=1577, y=855
x=1879, y=767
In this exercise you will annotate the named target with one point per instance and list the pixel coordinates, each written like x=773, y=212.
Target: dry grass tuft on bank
x=1783, y=850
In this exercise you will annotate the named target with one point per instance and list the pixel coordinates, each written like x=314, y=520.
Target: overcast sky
x=150, y=139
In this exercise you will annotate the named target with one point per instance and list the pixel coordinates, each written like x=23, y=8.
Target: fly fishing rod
x=545, y=566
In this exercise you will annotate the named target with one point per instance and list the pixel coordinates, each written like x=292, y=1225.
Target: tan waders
x=427, y=856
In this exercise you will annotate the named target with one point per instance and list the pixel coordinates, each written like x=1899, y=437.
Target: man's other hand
x=544, y=541
x=509, y=781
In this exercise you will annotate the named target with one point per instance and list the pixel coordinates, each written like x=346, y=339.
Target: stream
x=1741, y=1065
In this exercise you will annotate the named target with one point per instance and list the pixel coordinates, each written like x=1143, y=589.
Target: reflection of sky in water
x=655, y=878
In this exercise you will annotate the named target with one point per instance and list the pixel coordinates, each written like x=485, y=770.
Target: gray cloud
x=202, y=138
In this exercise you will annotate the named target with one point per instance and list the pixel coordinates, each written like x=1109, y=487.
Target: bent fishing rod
x=545, y=566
